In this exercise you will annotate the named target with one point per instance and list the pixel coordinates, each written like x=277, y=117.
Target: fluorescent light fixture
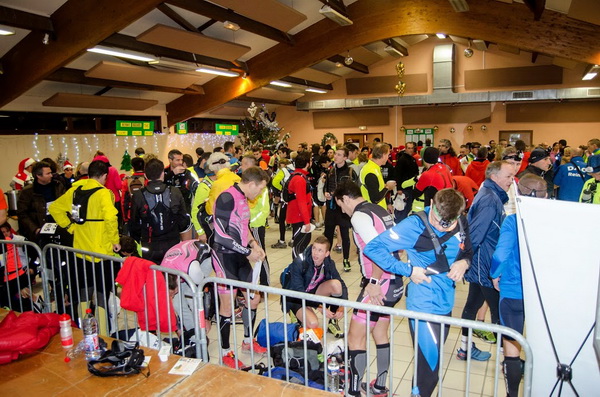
x=280, y=84
x=316, y=90
x=441, y=35
x=459, y=5
x=335, y=16
x=590, y=72
x=6, y=31
x=231, y=25
x=121, y=53
x=167, y=64
x=219, y=72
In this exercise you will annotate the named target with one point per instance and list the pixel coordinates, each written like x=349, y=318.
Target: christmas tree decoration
x=261, y=129
x=60, y=161
x=126, y=162
x=327, y=137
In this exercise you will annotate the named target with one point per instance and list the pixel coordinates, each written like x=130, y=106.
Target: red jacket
x=467, y=187
x=453, y=162
x=25, y=334
x=133, y=276
x=476, y=171
x=299, y=209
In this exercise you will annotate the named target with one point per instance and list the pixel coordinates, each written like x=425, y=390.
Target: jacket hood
x=479, y=165
x=156, y=187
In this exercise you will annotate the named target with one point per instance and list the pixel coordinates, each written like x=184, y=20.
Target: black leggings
x=477, y=295
x=300, y=240
x=282, y=214
x=428, y=363
x=334, y=218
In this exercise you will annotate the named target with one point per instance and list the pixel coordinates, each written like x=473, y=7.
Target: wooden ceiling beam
x=25, y=20
x=175, y=17
x=130, y=43
x=555, y=35
x=221, y=14
x=76, y=76
x=78, y=25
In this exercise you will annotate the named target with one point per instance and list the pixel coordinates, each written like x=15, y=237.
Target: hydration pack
x=79, y=206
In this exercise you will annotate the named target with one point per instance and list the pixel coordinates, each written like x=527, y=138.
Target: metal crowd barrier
x=395, y=317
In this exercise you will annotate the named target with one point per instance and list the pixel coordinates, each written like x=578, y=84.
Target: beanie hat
x=537, y=155
x=431, y=155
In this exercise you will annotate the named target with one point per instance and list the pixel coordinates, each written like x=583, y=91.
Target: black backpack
x=79, y=206
x=157, y=212
x=288, y=196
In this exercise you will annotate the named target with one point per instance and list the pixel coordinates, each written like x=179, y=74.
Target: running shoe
x=279, y=244
x=338, y=248
x=335, y=329
x=486, y=336
x=291, y=243
x=230, y=361
x=476, y=354
x=347, y=266
x=373, y=390
x=258, y=349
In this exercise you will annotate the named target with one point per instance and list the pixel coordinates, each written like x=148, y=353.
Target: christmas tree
x=261, y=128
x=126, y=162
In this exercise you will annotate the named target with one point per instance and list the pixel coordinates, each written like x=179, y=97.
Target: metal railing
x=393, y=313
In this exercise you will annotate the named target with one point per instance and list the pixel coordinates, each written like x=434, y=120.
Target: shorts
x=392, y=290
x=315, y=196
x=231, y=266
x=512, y=314
x=296, y=304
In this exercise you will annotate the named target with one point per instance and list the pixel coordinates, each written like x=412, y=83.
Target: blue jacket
x=569, y=180
x=302, y=271
x=485, y=218
x=436, y=297
x=506, y=262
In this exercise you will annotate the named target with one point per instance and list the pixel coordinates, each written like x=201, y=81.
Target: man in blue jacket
x=432, y=270
x=571, y=176
x=485, y=219
x=314, y=272
x=506, y=276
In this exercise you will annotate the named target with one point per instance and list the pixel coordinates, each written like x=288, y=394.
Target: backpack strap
x=578, y=170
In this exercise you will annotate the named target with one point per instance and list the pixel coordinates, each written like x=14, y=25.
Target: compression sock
x=383, y=364
x=248, y=323
x=463, y=342
x=357, y=359
x=225, y=329
x=512, y=373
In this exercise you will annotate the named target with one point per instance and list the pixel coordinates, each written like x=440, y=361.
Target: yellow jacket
x=372, y=168
x=93, y=236
x=200, y=197
x=225, y=179
x=259, y=209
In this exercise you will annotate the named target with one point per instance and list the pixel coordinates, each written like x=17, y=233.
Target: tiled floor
x=481, y=381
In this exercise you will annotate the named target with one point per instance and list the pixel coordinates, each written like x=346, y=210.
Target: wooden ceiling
x=278, y=40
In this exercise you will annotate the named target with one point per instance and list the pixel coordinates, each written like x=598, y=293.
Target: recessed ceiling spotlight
x=441, y=35
x=338, y=65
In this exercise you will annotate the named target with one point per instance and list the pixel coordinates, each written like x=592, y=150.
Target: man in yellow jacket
x=94, y=227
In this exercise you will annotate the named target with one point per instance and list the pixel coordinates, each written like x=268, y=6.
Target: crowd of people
x=417, y=211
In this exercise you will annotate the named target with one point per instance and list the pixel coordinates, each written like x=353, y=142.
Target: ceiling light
x=459, y=5
x=590, y=72
x=280, y=84
x=168, y=64
x=6, y=31
x=338, y=65
x=120, y=53
x=219, y=72
x=335, y=16
x=316, y=90
x=441, y=35
x=231, y=26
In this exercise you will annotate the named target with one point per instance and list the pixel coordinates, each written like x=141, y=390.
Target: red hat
x=26, y=162
x=67, y=164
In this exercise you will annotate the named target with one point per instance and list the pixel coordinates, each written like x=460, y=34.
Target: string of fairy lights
x=83, y=147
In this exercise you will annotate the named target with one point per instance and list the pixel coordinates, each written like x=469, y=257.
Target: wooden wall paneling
x=429, y=115
x=553, y=112
x=415, y=83
x=351, y=118
x=513, y=77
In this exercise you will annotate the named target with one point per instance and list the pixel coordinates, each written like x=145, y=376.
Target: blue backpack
x=276, y=333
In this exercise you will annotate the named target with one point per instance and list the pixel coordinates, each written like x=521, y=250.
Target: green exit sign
x=227, y=129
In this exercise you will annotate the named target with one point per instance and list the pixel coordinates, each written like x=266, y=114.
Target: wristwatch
x=373, y=281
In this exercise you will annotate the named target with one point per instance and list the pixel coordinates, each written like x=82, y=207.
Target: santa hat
x=25, y=163
x=67, y=164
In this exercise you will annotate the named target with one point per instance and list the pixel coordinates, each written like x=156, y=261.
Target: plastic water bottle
x=333, y=375
x=90, y=336
x=66, y=332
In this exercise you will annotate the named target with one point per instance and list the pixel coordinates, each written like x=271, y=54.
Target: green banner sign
x=134, y=128
x=181, y=128
x=419, y=134
x=227, y=129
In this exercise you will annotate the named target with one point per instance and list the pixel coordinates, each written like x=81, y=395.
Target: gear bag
x=157, y=212
x=79, y=205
